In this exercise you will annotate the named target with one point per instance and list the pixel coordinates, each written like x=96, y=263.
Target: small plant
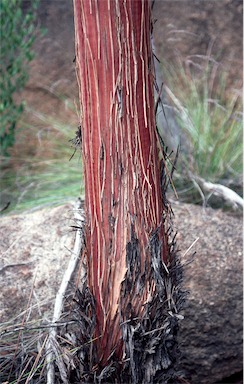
x=17, y=37
x=211, y=119
x=39, y=172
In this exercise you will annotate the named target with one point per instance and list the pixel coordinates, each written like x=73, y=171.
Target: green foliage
x=17, y=37
x=210, y=115
x=39, y=172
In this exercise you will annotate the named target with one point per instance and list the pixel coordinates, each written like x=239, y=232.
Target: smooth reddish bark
x=120, y=154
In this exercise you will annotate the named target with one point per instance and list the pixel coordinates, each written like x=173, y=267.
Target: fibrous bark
x=131, y=269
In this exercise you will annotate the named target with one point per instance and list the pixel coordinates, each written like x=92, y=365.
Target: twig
x=194, y=242
x=16, y=240
x=35, y=365
x=23, y=321
x=225, y=193
x=2, y=269
x=204, y=202
x=41, y=326
x=51, y=346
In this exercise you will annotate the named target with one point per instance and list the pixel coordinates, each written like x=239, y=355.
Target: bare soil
x=35, y=249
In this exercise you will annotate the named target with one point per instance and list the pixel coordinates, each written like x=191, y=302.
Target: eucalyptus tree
x=131, y=300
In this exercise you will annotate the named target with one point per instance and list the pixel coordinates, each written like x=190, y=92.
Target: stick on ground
x=51, y=345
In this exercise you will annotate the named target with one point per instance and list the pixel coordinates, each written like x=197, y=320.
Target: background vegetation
x=50, y=176
x=36, y=171
x=17, y=35
x=35, y=152
x=211, y=119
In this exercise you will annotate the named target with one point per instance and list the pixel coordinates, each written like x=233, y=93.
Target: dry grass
x=39, y=172
x=211, y=119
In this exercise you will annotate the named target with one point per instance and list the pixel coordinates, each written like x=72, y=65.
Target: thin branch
x=41, y=326
x=223, y=192
x=51, y=346
x=192, y=245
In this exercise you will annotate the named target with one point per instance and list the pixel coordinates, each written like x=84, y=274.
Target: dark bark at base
x=150, y=341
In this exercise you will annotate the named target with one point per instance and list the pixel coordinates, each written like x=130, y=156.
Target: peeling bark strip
x=123, y=197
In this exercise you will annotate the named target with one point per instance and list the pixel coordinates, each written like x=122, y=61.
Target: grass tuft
x=211, y=119
x=39, y=172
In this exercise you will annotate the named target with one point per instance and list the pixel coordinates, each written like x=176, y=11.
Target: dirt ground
x=53, y=80
x=35, y=249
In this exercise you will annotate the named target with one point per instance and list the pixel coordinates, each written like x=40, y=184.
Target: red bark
x=120, y=154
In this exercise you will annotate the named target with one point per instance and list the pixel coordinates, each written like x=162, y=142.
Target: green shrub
x=17, y=35
x=210, y=115
x=39, y=172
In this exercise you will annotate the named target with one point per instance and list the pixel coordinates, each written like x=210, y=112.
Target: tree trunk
x=128, y=254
